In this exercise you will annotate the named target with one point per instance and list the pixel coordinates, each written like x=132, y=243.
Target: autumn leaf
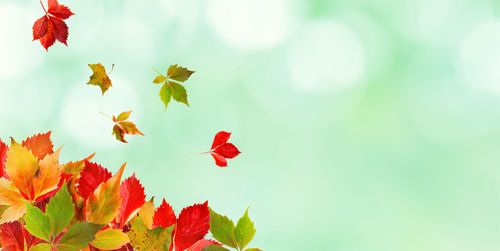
x=3, y=158
x=144, y=239
x=133, y=197
x=91, y=177
x=171, y=88
x=11, y=236
x=123, y=127
x=146, y=213
x=48, y=175
x=221, y=150
x=192, y=225
x=164, y=216
x=104, y=203
x=100, y=77
x=223, y=230
x=201, y=244
x=21, y=167
x=11, y=197
x=110, y=239
x=40, y=145
x=51, y=26
x=76, y=167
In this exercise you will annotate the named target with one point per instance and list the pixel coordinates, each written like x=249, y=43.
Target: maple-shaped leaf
x=51, y=26
x=171, y=88
x=123, y=127
x=3, y=158
x=40, y=145
x=104, y=203
x=192, y=225
x=164, y=216
x=99, y=77
x=133, y=197
x=201, y=244
x=221, y=150
x=11, y=236
x=91, y=177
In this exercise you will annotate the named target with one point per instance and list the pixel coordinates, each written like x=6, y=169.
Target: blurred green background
x=364, y=125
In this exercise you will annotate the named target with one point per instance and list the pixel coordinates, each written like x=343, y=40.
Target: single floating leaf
x=172, y=89
x=51, y=27
x=100, y=77
x=221, y=150
x=123, y=127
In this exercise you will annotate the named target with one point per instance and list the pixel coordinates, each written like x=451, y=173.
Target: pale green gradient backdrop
x=364, y=125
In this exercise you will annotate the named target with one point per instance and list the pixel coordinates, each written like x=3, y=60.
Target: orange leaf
x=21, y=167
x=77, y=166
x=47, y=177
x=103, y=205
x=40, y=145
x=10, y=196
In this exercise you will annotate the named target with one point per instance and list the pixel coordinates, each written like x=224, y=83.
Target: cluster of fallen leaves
x=46, y=205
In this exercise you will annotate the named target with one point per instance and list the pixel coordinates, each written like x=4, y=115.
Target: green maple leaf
x=171, y=87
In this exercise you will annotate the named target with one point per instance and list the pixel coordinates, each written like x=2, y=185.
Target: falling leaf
x=133, y=197
x=123, y=127
x=51, y=26
x=170, y=88
x=164, y=216
x=192, y=225
x=100, y=77
x=221, y=150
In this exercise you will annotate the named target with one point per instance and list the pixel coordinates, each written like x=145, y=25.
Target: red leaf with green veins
x=164, y=216
x=133, y=197
x=192, y=225
x=221, y=150
x=51, y=27
x=92, y=175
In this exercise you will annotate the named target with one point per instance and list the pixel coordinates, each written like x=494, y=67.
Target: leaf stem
x=199, y=153
x=112, y=67
x=44, y=8
x=106, y=115
x=157, y=71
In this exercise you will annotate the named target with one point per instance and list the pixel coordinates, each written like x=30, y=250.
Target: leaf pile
x=80, y=205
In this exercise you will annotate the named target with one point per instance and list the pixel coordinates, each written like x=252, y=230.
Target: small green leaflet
x=171, y=87
x=224, y=231
x=37, y=223
x=60, y=210
x=79, y=235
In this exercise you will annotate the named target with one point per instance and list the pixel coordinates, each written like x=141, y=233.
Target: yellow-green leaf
x=222, y=229
x=110, y=239
x=179, y=93
x=165, y=94
x=100, y=77
x=41, y=247
x=159, y=79
x=142, y=238
x=123, y=116
x=244, y=231
x=179, y=73
x=37, y=223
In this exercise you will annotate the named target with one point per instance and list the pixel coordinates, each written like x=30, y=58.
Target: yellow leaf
x=10, y=196
x=146, y=213
x=48, y=175
x=103, y=205
x=21, y=167
x=110, y=239
x=77, y=166
x=100, y=77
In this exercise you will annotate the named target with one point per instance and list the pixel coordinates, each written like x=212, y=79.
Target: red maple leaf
x=91, y=176
x=3, y=158
x=221, y=150
x=40, y=145
x=133, y=197
x=164, y=216
x=192, y=225
x=51, y=27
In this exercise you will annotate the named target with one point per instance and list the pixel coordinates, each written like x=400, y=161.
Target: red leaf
x=59, y=10
x=92, y=175
x=3, y=158
x=192, y=225
x=164, y=216
x=40, y=145
x=133, y=197
x=201, y=244
x=51, y=26
x=11, y=236
x=220, y=138
x=221, y=149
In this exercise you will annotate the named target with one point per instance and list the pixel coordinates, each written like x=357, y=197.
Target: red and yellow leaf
x=11, y=197
x=48, y=175
x=21, y=167
x=91, y=177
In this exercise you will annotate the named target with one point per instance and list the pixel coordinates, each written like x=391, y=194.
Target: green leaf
x=66, y=248
x=222, y=229
x=60, y=210
x=179, y=73
x=141, y=238
x=37, y=223
x=110, y=239
x=214, y=247
x=253, y=249
x=179, y=93
x=80, y=234
x=244, y=231
x=165, y=94
x=100, y=77
x=41, y=247
x=160, y=79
